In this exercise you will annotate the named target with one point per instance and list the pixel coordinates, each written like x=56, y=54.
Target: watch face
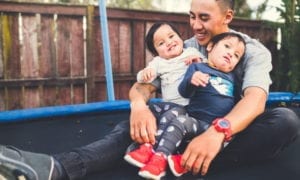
x=223, y=124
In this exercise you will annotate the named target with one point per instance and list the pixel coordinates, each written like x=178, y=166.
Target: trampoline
x=56, y=129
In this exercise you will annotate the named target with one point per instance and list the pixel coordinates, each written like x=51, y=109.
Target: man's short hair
x=227, y=4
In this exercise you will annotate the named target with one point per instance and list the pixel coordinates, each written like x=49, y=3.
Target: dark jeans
x=265, y=138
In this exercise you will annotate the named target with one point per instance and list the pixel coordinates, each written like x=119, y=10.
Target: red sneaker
x=155, y=168
x=140, y=156
x=175, y=167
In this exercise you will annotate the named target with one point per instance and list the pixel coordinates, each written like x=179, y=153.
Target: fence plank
x=91, y=53
x=49, y=94
x=31, y=97
x=47, y=52
x=11, y=60
x=77, y=59
x=14, y=98
x=11, y=46
x=138, y=46
x=100, y=92
x=114, y=33
x=63, y=46
x=99, y=67
x=1, y=51
x=122, y=89
x=77, y=48
x=78, y=95
x=2, y=99
x=63, y=95
x=29, y=62
x=125, y=47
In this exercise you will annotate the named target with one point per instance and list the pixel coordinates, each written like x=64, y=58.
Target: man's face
x=207, y=19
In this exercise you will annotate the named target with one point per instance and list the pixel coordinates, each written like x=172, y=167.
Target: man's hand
x=142, y=124
x=202, y=150
x=142, y=121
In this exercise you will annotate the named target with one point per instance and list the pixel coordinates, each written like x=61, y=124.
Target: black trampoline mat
x=58, y=134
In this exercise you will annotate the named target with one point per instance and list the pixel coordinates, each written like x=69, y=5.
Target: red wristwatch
x=223, y=125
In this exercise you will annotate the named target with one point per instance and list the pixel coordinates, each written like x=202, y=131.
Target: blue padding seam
x=53, y=111
x=108, y=106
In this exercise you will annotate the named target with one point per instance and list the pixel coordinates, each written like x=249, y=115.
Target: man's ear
x=228, y=16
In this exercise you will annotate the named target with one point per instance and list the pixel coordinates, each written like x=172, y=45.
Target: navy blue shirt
x=210, y=102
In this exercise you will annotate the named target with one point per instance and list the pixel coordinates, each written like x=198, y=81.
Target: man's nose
x=197, y=24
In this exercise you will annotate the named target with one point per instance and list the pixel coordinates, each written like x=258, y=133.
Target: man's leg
x=97, y=156
x=264, y=139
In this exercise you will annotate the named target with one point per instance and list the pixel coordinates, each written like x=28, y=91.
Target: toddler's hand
x=191, y=59
x=149, y=75
x=200, y=79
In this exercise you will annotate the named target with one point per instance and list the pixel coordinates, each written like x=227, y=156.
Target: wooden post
x=90, y=58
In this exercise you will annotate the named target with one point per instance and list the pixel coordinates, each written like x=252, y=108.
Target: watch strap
x=226, y=130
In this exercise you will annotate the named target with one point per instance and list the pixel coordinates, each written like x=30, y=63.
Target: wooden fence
x=52, y=54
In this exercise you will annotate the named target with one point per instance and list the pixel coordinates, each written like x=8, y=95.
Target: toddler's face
x=167, y=42
x=225, y=54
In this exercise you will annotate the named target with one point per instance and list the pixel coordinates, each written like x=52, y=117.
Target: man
x=258, y=134
x=261, y=139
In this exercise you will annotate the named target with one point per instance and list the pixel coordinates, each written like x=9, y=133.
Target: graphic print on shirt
x=221, y=85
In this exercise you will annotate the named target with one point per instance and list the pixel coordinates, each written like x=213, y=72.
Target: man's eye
x=192, y=16
x=204, y=17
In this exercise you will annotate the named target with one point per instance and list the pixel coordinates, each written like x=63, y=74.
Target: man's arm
x=247, y=109
x=142, y=121
x=204, y=148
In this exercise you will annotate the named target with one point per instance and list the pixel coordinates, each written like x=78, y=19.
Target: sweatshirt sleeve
x=139, y=77
x=154, y=64
x=186, y=89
